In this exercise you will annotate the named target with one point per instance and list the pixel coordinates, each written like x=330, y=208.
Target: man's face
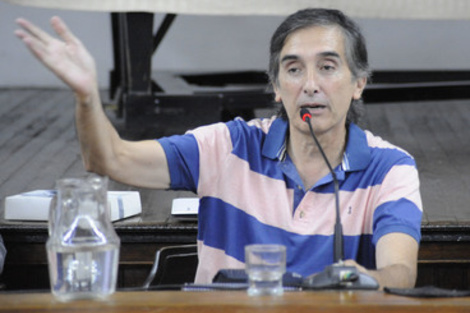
x=314, y=73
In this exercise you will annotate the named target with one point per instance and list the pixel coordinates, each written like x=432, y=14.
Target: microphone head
x=305, y=114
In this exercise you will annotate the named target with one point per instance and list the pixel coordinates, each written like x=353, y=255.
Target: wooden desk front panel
x=26, y=263
x=444, y=256
x=26, y=266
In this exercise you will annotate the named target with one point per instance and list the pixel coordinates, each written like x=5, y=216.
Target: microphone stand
x=337, y=275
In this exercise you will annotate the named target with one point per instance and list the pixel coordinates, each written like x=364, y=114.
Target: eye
x=328, y=66
x=294, y=69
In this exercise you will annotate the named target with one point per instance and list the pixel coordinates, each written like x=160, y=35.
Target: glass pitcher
x=83, y=248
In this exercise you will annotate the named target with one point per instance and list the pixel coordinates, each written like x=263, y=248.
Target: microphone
x=337, y=275
x=338, y=233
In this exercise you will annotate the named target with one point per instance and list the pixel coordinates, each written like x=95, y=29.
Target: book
x=185, y=209
x=34, y=205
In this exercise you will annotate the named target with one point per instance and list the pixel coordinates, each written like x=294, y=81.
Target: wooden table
x=235, y=301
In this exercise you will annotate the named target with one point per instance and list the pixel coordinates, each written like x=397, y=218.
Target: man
x=265, y=181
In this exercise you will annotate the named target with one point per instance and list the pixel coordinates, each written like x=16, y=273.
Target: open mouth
x=313, y=107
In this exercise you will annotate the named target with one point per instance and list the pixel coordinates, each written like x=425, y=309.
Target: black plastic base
x=338, y=276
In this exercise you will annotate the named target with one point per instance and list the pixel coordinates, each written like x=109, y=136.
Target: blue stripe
x=247, y=141
x=182, y=153
x=381, y=163
x=397, y=216
x=225, y=227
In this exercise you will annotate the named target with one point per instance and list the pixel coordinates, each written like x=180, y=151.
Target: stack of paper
x=34, y=205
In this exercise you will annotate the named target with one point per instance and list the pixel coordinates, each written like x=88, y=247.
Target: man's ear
x=277, y=95
x=360, y=85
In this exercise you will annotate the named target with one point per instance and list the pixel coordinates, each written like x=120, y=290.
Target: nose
x=310, y=85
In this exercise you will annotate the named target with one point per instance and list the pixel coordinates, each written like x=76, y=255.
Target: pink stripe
x=357, y=211
x=226, y=176
x=263, y=124
x=214, y=149
x=215, y=145
x=401, y=182
x=314, y=215
x=211, y=261
x=316, y=212
x=256, y=194
x=377, y=142
x=320, y=213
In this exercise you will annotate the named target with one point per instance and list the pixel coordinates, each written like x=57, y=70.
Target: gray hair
x=355, y=46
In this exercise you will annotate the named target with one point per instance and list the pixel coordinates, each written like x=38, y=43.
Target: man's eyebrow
x=324, y=54
x=289, y=57
x=330, y=54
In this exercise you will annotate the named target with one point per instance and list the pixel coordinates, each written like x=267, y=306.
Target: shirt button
x=301, y=215
x=299, y=187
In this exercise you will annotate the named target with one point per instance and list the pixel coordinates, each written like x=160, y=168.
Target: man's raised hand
x=66, y=57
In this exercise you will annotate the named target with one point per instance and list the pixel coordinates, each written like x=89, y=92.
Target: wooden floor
x=38, y=146
x=437, y=134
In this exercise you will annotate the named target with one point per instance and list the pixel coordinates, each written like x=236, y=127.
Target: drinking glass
x=265, y=264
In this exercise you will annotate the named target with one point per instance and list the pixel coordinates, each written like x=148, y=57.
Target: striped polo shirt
x=250, y=192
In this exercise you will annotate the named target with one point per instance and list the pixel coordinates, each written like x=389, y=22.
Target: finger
x=34, y=45
x=350, y=262
x=37, y=50
x=62, y=30
x=34, y=30
x=21, y=34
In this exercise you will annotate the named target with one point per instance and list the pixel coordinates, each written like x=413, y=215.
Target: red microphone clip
x=304, y=114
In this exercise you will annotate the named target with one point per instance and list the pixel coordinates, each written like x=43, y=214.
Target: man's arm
x=137, y=163
x=140, y=163
x=396, y=260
